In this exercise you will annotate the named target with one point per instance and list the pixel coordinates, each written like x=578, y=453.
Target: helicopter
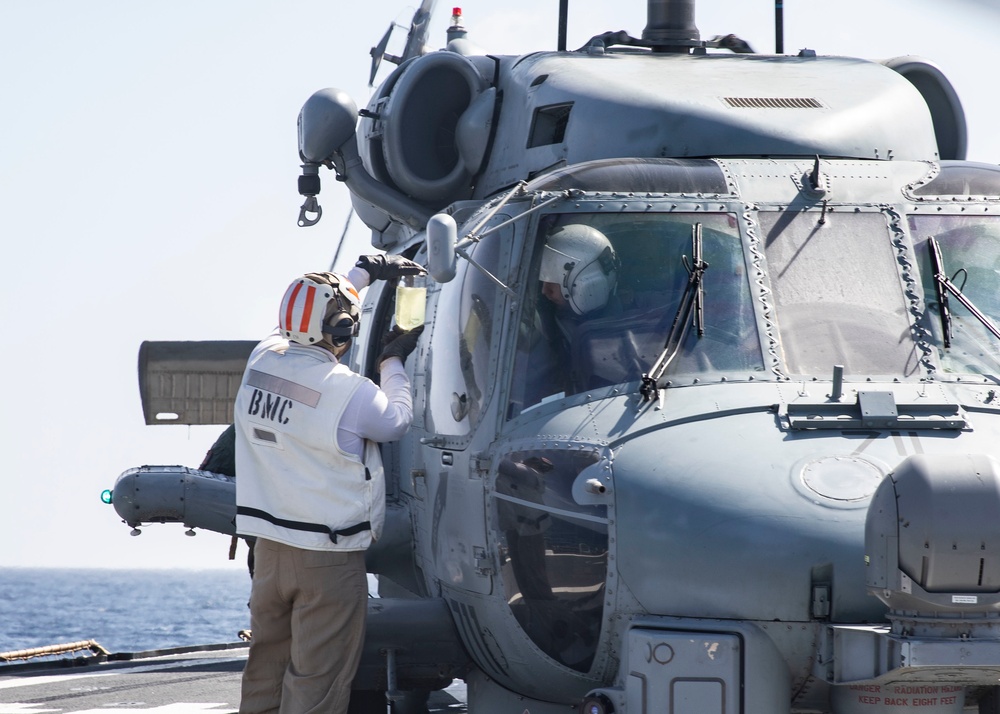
x=706, y=406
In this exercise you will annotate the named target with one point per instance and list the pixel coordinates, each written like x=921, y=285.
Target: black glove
x=386, y=267
x=399, y=343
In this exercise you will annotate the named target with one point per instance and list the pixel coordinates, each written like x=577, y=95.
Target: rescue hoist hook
x=309, y=186
x=311, y=205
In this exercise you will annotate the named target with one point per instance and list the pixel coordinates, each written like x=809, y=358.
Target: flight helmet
x=320, y=306
x=580, y=259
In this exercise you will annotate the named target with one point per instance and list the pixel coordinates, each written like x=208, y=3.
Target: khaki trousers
x=307, y=613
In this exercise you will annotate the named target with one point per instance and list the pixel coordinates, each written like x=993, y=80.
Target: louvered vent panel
x=774, y=102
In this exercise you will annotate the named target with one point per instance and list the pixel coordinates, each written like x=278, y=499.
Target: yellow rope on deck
x=53, y=650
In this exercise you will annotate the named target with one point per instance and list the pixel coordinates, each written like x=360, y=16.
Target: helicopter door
x=463, y=356
x=460, y=368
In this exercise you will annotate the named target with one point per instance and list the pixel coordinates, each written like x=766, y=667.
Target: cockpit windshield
x=604, y=290
x=837, y=293
x=970, y=258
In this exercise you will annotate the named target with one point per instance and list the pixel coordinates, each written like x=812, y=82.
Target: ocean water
x=122, y=610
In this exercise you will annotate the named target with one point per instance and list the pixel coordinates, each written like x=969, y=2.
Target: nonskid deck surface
x=187, y=680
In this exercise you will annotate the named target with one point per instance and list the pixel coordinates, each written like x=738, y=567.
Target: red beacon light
x=456, y=31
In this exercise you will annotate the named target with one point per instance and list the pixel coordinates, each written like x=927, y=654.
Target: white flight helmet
x=318, y=306
x=580, y=259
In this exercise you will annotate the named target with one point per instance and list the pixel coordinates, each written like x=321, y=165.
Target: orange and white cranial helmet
x=318, y=306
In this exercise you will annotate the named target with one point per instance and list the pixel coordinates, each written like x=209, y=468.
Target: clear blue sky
x=148, y=166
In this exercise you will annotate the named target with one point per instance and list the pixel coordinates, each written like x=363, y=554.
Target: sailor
x=221, y=456
x=311, y=487
x=221, y=459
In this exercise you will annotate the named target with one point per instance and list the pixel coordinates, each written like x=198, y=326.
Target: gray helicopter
x=707, y=415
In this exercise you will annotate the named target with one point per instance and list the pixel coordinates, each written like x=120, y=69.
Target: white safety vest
x=294, y=484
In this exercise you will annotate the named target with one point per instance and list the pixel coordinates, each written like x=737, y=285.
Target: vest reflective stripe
x=296, y=486
x=299, y=526
x=284, y=387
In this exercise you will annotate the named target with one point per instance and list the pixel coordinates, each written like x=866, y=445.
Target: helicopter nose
x=699, y=532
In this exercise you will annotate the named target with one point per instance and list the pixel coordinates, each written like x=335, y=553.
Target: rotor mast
x=670, y=26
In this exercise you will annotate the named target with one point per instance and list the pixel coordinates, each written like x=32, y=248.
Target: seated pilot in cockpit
x=578, y=276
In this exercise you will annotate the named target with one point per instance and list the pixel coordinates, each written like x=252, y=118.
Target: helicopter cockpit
x=563, y=349
x=714, y=279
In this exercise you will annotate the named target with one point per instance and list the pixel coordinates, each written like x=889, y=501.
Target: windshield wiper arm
x=937, y=266
x=943, y=285
x=691, y=309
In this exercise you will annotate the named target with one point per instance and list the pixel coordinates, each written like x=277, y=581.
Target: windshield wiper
x=937, y=266
x=691, y=310
x=943, y=285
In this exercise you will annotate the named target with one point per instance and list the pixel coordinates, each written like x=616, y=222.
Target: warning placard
x=898, y=698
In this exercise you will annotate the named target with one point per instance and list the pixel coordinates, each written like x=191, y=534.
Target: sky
x=148, y=167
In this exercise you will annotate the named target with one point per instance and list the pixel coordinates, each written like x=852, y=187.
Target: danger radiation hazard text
x=907, y=695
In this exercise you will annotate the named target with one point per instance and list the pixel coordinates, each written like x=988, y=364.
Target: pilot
x=311, y=488
x=578, y=276
x=579, y=269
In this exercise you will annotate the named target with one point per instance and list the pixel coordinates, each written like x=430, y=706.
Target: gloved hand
x=399, y=343
x=386, y=267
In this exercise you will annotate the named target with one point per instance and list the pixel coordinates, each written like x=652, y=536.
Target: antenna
x=779, y=27
x=563, y=20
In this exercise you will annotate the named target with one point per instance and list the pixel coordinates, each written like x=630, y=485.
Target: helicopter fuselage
x=579, y=528
x=738, y=457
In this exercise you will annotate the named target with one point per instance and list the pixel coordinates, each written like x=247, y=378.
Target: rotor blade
x=416, y=39
x=378, y=52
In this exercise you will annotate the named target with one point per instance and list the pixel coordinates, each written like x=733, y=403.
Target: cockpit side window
x=459, y=369
x=970, y=255
x=553, y=552
x=603, y=291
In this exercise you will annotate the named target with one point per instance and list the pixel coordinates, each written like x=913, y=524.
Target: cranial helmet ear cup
x=340, y=325
x=589, y=288
x=312, y=301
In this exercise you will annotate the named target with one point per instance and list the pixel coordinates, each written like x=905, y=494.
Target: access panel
x=683, y=672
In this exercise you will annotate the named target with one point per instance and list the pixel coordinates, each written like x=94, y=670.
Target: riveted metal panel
x=683, y=672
